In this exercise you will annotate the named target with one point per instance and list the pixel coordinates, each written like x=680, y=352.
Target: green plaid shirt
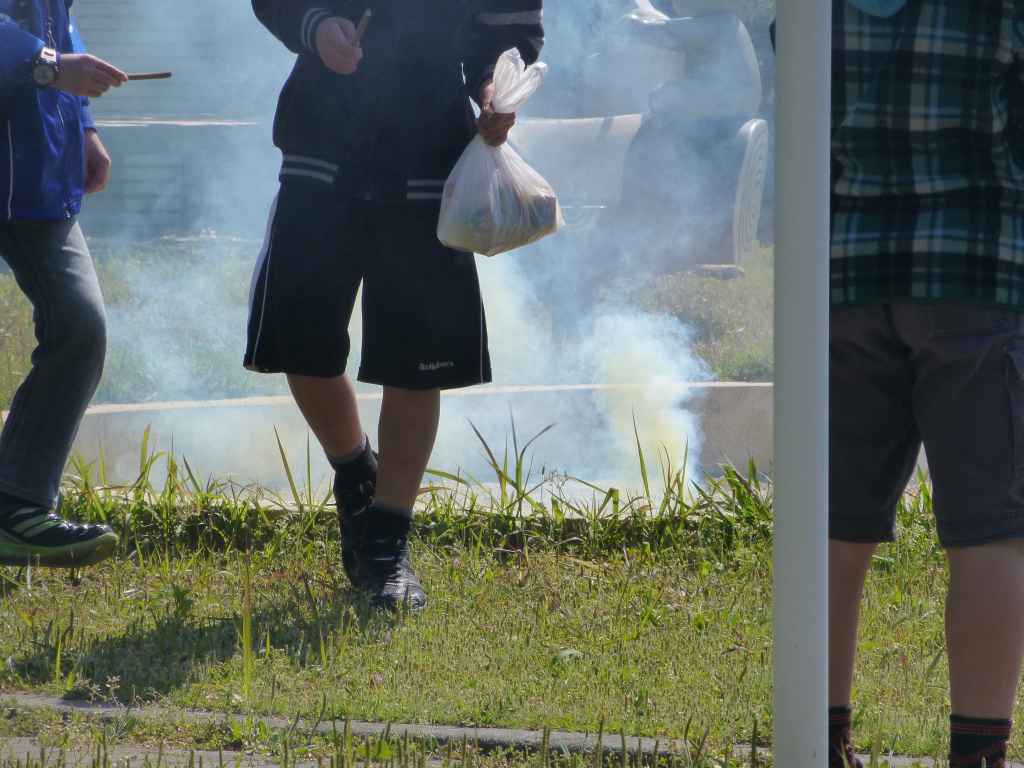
x=928, y=154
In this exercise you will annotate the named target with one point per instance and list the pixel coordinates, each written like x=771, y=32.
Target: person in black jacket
x=370, y=129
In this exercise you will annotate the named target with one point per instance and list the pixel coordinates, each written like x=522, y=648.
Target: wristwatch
x=46, y=68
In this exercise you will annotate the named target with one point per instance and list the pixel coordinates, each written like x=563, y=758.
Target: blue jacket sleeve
x=18, y=49
x=78, y=46
x=88, y=124
x=497, y=26
x=293, y=22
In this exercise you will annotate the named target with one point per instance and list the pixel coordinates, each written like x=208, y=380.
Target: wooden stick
x=361, y=29
x=150, y=76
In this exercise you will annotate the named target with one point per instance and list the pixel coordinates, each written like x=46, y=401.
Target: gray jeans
x=52, y=265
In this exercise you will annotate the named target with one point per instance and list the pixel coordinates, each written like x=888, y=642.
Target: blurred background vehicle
x=653, y=136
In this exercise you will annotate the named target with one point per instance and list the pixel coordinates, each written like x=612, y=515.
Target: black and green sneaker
x=34, y=535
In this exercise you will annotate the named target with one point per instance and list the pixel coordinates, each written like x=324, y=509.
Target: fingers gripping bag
x=493, y=200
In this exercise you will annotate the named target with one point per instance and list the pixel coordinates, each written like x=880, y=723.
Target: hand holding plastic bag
x=493, y=200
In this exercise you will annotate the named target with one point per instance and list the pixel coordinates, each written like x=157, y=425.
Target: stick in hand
x=150, y=76
x=361, y=29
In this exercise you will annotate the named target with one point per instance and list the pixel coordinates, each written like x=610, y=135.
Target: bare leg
x=329, y=406
x=408, y=428
x=848, y=565
x=985, y=628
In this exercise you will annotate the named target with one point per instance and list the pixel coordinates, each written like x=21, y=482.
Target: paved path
x=489, y=739
x=124, y=756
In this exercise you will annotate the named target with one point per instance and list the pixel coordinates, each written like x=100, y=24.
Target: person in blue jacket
x=50, y=157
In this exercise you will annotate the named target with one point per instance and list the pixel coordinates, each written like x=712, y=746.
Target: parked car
x=654, y=146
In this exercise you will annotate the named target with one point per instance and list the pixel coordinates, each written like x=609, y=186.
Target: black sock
x=971, y=739
x=340, y=461
x=389, y=510
x=355, y=479
x=840, y=719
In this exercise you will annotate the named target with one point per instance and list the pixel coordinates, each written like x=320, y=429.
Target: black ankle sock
x=972, y=738
x=839, y=721
x=389, y=510
x=352, y=471
x=340, y=461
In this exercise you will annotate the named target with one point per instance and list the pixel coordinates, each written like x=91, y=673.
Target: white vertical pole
x=803, y=117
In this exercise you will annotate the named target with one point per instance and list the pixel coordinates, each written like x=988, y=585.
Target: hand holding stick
x=82, y=74
x=337, y=43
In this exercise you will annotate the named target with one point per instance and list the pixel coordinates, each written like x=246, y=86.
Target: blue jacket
x=42, y=161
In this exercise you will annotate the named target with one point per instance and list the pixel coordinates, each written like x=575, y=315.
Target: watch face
x=44, y=74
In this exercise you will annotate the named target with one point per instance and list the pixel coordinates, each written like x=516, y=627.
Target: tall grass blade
x=248, y=660
x=643, y=462
x=296, y=496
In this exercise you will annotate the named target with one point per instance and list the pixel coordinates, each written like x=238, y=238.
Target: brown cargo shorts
x=948, y=376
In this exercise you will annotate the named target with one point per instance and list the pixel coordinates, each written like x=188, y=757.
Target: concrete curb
x=235, y=438
x=488, y=739
x=136, y=756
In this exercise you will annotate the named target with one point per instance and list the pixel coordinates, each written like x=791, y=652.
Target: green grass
x=901, y=686
x=732, y=320
x=550, y=641
x=647, y=614
x=17, y=339
x=568, y=615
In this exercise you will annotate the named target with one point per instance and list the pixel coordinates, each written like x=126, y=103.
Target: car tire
x=754, y=137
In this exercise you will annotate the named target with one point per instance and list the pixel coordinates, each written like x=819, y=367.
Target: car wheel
x=754, y=137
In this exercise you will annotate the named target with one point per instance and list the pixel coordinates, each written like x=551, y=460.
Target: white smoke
x=647, y=362
x=639, y=362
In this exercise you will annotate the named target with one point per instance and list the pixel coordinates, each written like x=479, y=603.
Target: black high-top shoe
x=382, y=543
x=354, y=486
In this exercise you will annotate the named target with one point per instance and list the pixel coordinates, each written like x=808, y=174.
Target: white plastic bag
x=493, y=201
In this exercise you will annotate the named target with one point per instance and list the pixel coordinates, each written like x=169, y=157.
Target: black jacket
x=395, y=128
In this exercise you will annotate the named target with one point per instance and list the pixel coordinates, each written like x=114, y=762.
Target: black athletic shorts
x=423, y=316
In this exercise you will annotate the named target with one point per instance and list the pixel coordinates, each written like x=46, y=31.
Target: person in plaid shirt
x=927, y=346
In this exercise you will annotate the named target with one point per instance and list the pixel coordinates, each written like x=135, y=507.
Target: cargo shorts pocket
x=968, y=319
